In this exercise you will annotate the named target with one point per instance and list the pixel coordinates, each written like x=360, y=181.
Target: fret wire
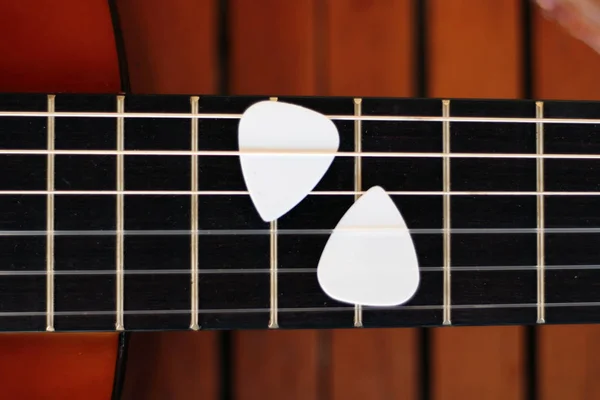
x=541, y=310
x=194, y=256
x=381, y=118
x=120, y=237
x=224, y=153
x=358, y=311
x=273, y=281
x=50, y=176
x=273, y=275
x=446, y=216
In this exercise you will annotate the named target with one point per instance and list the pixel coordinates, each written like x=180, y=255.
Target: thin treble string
x=381, y=118
x=248, y=271
x=298, y=232
x=314, y=193
x=298, y=309
x=295, y=153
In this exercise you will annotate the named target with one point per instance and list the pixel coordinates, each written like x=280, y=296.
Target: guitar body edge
x=67, y=46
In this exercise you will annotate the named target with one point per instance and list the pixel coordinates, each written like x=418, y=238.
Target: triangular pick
x=278, y=181
x=370, y=257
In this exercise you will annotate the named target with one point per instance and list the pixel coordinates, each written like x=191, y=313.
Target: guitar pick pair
x=285, y=150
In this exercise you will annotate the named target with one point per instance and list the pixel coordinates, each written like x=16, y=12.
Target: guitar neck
x=131, y=212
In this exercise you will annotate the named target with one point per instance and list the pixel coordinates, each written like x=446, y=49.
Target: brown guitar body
x=58, y=46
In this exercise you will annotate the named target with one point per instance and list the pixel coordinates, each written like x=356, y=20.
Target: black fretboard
x=518, y=244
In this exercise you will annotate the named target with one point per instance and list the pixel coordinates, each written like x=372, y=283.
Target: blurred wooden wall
x=437, y=48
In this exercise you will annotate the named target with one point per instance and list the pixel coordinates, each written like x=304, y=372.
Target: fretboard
x=131, y=212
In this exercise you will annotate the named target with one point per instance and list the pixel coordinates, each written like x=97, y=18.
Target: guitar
x=102, y=239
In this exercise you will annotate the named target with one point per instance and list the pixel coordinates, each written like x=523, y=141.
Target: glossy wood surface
x=171, y=47
x=568, y=356
x=57, y=46
x=478, y=59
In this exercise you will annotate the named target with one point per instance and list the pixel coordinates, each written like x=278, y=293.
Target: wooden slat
x=276, y=364
x=173, y=365
x=273, y=52
x=171, y=48
x=565, y=68
x=474, y=51
x=171, y=45
x=568, y=362
x=273, y=47
x=487, y=361
x=369, y=52
x=369, y=48
x=568, y=356
x=474, y=48
x=375, y=364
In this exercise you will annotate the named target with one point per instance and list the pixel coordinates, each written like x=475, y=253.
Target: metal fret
x=273, y=315
x=358, y=314
x=447, y=320
x=120, y=245
x=194, y=218
x=541, y=308
x=273, y=320
x=50, y=175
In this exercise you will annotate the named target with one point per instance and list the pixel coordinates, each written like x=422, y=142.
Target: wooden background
x=436, y=48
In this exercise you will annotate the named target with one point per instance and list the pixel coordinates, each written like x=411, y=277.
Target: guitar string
x=248, y=271
x=350, y=154
x=233, y=116
x=299, y=231
x=314, y=193
x=295, y=153
x=266, y=310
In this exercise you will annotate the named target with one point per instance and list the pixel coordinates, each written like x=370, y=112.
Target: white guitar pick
x=370, y=258
x=279, y=180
